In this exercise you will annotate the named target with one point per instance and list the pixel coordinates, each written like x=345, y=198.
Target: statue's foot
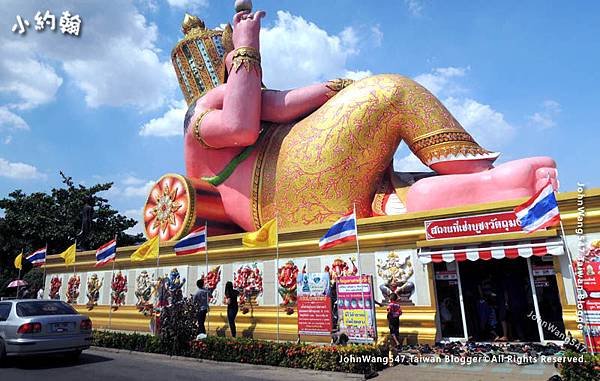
x=515, y=179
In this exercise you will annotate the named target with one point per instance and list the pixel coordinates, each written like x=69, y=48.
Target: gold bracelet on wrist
x=336, y=85
x=196, y=130
x=248, y=57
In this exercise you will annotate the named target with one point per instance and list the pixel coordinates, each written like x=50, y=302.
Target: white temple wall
x=373, y=263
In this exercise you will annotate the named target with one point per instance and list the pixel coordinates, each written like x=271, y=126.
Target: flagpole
x=112, y=276
x=74, y=263
x=45, y=256
x=360, y=275
x=19, y=277
x=573, y=280
x=74, y=273
x=277, y=270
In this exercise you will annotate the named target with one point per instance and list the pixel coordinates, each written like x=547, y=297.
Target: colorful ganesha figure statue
x=396, y=274
x=143, y=290
x=339, y=268
x=248, y=281
x=118, y=290
x=287, y=278
x=73, y=289
x=174, y=284
x=94, y=284
x=55, y=284
x=308, y=154
x=211, y=281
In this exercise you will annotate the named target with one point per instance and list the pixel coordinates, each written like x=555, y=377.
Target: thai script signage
x=356, y=309
x=483, y=224
x=588, y=277
x=314, y=304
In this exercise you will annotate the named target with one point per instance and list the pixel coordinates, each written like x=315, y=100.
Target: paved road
x=111, y=366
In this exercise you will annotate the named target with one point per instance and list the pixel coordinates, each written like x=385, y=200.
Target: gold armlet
x=196, y=129
x=336, y=85
x=247, y=57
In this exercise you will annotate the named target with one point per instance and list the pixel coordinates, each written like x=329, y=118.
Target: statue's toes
x=545, y=174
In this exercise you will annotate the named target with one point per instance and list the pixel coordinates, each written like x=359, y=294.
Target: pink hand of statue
x=246, y=29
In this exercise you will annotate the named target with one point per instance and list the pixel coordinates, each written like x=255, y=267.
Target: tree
x=34, y=220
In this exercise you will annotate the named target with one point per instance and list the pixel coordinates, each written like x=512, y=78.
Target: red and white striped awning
x=496, y=250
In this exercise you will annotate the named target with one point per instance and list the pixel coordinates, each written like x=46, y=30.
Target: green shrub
x=242, y=350
x=178, y=327
x=576, y=371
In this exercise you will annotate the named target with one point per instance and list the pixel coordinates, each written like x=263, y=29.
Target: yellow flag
x=264, y=237
x=148, y=250
x=18, y=259
x=69, y=255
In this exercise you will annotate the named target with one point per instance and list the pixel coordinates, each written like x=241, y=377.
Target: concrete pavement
x=114, y=365
x=475, y=372
x=110, y=365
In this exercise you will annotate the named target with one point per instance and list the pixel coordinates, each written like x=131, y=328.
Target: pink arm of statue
x=289, y=105
x=237, y=123
x=278, y=106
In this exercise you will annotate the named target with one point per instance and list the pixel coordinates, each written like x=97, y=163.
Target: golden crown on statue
x=199, y=58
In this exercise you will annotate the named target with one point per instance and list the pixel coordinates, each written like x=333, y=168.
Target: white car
x=34, y=327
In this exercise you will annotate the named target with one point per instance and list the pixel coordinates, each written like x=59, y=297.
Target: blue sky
x=105, y=106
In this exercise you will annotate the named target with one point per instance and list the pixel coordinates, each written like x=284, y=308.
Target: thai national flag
x=343, y=230
x=106, y=253
x=540, y=211
x=193, y=243
x=37, y=258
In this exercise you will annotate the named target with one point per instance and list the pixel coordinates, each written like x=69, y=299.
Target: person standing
x=201, y=298
x=231, y=300
x=40, y=293
x=393, y=316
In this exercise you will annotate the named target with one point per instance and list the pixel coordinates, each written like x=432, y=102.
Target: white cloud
x=114, y=61
x=25, y=79
x=415, y=7
x=19, y=171
x=189, y=4
x=169, y=124
x=10, y=121
x=442, y=79
x=296, y=52
x=357, y=75
x=546, y=118
x=132, y=180
x=136, y=214
x=408, y=162
x=138, y=191
x=486, y=125
x=377, y=35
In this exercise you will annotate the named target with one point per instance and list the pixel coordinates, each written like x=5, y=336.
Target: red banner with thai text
x=314, y=315
x=468, y=226
x=587, y=274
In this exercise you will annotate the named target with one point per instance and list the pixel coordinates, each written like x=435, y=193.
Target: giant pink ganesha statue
x=309, y=154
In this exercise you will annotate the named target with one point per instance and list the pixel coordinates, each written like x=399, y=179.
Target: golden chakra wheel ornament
x=169, y=211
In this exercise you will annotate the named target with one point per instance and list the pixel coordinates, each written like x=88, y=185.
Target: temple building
x=447, y=285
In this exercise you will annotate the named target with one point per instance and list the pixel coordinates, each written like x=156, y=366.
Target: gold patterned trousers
x=314, y=170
